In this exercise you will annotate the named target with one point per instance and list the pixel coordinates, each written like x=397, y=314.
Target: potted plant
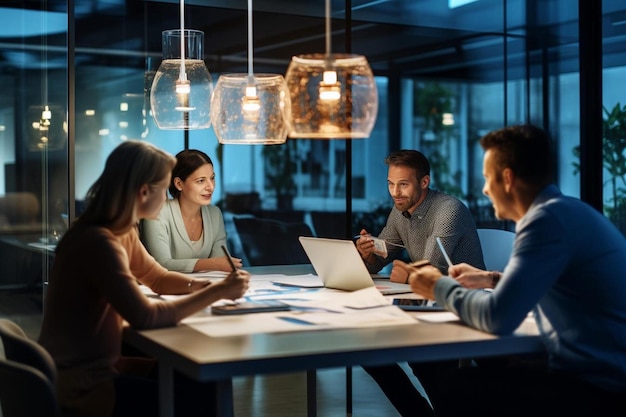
x=614, y=161
x=280, y=168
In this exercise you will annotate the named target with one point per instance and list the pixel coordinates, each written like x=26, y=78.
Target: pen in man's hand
x=229, y=258
x=443, y=250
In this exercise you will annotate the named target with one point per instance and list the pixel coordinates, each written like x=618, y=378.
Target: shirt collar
x=548, y=193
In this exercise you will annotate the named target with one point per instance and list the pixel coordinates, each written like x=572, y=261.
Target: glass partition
x=445, y=76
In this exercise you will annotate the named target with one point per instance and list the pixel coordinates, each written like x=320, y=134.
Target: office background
x=477, y=64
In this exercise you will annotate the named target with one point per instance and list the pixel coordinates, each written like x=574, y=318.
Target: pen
x=228, y=257
x=443, y=250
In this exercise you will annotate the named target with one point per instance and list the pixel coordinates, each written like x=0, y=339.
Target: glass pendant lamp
x=251, y=108
x=332, y=95
x=180, y=97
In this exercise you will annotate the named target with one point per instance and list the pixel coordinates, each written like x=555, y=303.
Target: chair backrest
x=271, y=242
x=26, y=392
x=19, y=348
x=497, y=245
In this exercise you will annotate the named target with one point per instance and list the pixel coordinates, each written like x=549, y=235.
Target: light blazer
x=166, y=238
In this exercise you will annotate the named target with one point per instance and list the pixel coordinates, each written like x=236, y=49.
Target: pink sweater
x=92, y=290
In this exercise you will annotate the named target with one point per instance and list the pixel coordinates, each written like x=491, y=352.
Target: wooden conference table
x=206, y=358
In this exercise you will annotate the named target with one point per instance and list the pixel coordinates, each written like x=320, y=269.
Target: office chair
x=271, y=242
x=27, y=376
x=26, y=392
x=19, y=348
x=497, y=245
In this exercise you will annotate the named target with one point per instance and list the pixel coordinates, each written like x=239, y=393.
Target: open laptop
x=338, y=265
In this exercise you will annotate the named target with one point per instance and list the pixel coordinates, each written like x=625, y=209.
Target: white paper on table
x=437, y=317
x=305, y=281
x=317, y=310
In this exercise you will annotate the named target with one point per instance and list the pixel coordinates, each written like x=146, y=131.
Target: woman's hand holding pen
x=235, y=284
x=237, y=281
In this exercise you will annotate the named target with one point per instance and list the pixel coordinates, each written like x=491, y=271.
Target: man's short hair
x=525, y=149
x=410, y=158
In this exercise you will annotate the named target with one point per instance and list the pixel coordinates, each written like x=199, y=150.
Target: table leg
x=224, y=401
x=311, y=393
x=166, y=390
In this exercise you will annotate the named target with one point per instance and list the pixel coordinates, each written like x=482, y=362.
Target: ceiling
x=411, y=37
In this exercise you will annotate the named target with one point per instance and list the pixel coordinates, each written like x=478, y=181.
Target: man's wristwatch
x=495, y=278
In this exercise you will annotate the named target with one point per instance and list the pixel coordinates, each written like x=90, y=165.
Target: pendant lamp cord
x=183, y=73
x=328, y=50
x=250, y=73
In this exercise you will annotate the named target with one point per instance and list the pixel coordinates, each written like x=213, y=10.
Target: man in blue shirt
x=566, y=267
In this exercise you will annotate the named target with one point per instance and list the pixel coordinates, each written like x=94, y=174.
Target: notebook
x=338, y=265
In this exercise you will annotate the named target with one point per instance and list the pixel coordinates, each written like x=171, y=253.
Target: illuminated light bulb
x=183, y=86
x=448, y=119
x=250, y=103
x=46, y=114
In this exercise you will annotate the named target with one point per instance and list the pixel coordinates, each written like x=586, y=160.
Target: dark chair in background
x=26, y=391
x=330, y=224
x=27, y=376
x=18, y=347
x=289, y=216
x=271, y=242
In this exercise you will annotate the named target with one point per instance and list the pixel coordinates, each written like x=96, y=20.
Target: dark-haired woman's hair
x=187, y=162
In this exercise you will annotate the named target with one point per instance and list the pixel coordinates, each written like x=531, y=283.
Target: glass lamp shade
x=343, y=105
x=251, y=110
x=180, y=97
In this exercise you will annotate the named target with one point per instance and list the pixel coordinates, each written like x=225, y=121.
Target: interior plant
x=431, y=101
x=280, y=168
x=614, y=162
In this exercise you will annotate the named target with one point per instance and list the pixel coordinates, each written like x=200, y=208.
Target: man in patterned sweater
x=419, y=215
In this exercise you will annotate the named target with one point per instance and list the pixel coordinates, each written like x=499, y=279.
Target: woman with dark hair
x=94, y=289
x=189, y=232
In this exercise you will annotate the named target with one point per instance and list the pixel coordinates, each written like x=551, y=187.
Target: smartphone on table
x=247, y=306
x=416, y=304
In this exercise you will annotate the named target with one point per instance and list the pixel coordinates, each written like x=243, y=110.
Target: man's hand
x=471, y=277
x=422, y=276
x=398, y=274
x=365, y=244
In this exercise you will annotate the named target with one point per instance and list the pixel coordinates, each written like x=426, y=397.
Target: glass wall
x=445, y=75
